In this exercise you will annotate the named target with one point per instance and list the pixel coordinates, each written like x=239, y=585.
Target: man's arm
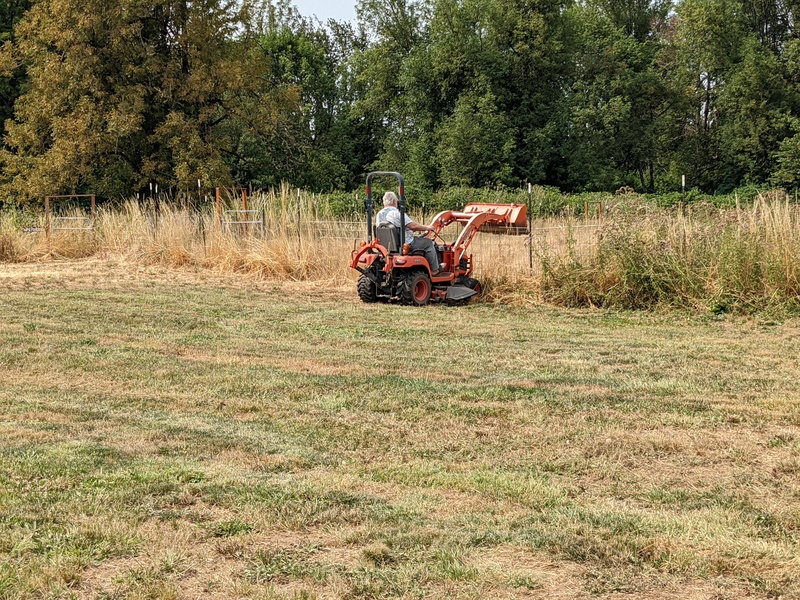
x=413, y=226
x=394, y=217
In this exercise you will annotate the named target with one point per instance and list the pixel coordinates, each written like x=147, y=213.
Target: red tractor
x=391, y=270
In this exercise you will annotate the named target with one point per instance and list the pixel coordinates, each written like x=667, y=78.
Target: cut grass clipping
x=169, y=435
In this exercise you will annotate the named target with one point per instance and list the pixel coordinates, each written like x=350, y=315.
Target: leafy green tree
x=501, y=63
x=637, y=18
x=532, y=41
x=381, y=101
x=732, y=58
x=754, y=116
x=111, y=95
x=770, y=21
x=619, y=100
x=476, y=143
x=127, y=92
x=11, y=85
x=787, y=160
x=705, y=48
x=786, y=170
x=315, y=143
x=301, y=60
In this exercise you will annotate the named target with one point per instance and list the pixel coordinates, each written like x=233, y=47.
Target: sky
x=341, y=10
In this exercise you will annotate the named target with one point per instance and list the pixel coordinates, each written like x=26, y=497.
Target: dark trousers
x=426, y=244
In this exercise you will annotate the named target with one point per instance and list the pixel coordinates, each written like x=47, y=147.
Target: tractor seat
x=388, y=235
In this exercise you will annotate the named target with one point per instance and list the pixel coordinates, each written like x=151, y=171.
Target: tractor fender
x=366, y=255
x=410, y=262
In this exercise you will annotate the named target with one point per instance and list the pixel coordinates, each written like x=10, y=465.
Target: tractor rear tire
x=415, y=289
x=367, y=290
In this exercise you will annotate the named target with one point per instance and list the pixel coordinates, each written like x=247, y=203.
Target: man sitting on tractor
x=391, y=213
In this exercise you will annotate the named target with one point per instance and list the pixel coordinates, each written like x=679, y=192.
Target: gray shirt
x=392, y=215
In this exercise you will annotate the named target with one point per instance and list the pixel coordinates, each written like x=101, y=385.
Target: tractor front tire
x=473, y=284
x=367, y=290
x=415, y=289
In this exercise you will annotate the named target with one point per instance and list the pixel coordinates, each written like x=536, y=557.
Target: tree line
x=112, y=96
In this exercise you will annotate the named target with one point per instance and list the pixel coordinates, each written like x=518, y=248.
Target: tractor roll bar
x=401, y=204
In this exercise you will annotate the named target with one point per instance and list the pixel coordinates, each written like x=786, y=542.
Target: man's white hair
x=390, y=199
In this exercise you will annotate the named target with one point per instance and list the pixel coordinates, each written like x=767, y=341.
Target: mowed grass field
x=171, y=434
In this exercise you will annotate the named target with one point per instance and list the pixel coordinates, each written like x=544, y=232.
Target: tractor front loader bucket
x=512, y=219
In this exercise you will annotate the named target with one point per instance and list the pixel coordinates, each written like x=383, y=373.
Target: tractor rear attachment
x=391, y=270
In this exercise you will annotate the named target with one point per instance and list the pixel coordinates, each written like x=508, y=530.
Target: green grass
x=166, y=436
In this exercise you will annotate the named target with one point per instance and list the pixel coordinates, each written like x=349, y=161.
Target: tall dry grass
x=637, y=257
x=723, y=260
x=300, y=239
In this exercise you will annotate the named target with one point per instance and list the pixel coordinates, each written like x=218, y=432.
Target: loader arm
x=499, y=218
x=472, y=226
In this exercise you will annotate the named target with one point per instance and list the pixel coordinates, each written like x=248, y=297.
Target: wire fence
x=564, y=236
x=244, y=223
